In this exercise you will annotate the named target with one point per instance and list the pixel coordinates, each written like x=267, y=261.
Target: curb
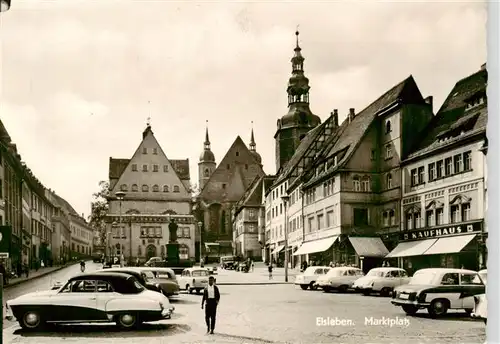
x=10, y=285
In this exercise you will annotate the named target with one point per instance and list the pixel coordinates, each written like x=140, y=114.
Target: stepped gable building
x=294, y=126
x=147, y=191
x=444, y=194
x=222, y=189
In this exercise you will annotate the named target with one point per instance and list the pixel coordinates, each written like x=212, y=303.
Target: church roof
x=252, y=196
x=117, y=166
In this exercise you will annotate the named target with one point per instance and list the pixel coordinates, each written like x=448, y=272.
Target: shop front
x=317, y=252
x=366, y=253
x=457, y=245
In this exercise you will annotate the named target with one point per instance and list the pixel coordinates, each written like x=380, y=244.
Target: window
x=251, y=228
x=206, y=173
x=184, y=252
x=134, y=187
x=447, y=167
x=155, y=151
x=104, y=287
x=466, y=212
x=237, y=153
x=144, y=150
x=388, y=128
x=321, y=223
x=224, y=186
x=123, y=187
x=372, y=155
x=388, y=181
x=439, y=216
x=356, y=184
x=156, y=168
x=360, y=216
x=134, y=167
x=429, y=218
x=421, y=175
x=417, y=219
x=409, y=221
x=165, y=168
x=329, y=219
x=228, y=166
x=457, y=163
x=366, y=184
x=176, y=188
x=467, y=161
x=414, y=177
x=251, y=214
x=158, y=231
x=450, y=279
x=431, y=171
x=156, y=188
x=392, y=217
x=439, y=169
x=165, y=188
x=246, y=166
x=281, y=209
x=385, y=218
x=454, y=214
x=388, y=151
x=144, y=168
x=310, y=223
x=468, y=279
x=145, y=188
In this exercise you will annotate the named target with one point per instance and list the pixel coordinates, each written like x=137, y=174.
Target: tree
x=99, y=210
x=194, y=189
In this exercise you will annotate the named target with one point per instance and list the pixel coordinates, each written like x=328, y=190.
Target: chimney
x=483, y=66
x=351, y=115
x=429, y=100
x=335, y=115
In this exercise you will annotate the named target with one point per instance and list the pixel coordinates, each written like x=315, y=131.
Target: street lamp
x=200, y=224
x=4, y=5
x=120, y=195
x=285, y=199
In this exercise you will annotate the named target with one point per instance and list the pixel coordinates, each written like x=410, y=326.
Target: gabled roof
x=453, y=115
x=65, y=204
x=252, y=196
x=117, y=166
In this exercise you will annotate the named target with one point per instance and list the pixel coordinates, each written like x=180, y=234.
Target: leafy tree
x=99, y=210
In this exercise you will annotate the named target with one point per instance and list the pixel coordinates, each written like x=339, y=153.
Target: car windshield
x=199, y=273
x=148, y=275
x=423, y=278
x=375, y=273
x=138, y=286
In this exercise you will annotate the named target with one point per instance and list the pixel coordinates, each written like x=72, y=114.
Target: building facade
x=147, y=191
x=444, y=185
x=61, y=234
x=82, y=235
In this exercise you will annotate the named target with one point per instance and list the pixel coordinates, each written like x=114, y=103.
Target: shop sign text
x=441, y=231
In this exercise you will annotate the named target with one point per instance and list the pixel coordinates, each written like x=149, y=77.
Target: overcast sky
x=77, y=75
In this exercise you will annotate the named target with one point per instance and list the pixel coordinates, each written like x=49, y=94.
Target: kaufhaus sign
x=437, y=232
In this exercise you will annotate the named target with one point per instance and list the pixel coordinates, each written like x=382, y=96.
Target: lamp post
x=120, y=195
x=285, y=199
x=200, y=224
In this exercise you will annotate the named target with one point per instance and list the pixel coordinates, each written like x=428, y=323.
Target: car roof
x=387, y=268
x=100, y=275
x=447, y=270
x=198, y=268
x=484, y=271
x=153, y=268
x=344, y=268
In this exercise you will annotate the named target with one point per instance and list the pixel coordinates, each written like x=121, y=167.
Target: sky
x=80, y=78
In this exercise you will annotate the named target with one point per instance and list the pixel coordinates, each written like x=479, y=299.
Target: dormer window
x=144, y=150
x=124, y=187
x=388, y=128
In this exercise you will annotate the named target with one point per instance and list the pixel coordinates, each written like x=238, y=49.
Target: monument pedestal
x=173, y=253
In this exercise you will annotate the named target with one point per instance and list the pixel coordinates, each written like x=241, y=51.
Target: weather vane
x=149, y=117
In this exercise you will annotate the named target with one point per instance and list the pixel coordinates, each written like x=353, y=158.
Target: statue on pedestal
x=172, y=227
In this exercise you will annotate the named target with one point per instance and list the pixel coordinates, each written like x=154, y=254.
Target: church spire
x=298, y=84
x=207, y=140
x=207, y=155
x=252, y=141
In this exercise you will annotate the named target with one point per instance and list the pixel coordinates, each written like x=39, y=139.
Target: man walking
x=211, y=296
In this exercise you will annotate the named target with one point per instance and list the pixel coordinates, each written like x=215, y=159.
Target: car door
x=104, y=293
x=450, y=289
x=471, y=286
x=316, y=274
x=76, y=302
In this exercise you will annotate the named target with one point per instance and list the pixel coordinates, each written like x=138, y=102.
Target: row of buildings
x=395, y=182
x=36, y=224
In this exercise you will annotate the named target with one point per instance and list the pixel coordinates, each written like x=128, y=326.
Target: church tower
x=207, y=165
x=253, y=149
x=292, y=127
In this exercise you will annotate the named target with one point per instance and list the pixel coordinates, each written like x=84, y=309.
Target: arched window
x=124, y=187
x=388, y=128
x=156, y=188
x=223, y=222
x=134, y=187
x=206, y=173
x=165, y=188
x=366, y=184
x=176, y=188
x=132, y=211
x=356, y=183
x=388, y=181
x=145, y=188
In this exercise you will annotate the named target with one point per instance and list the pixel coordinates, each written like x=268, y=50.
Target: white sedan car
x=381, y=281
x=309, y=277
x=192, y=279
x=339, y=278
x=480, y=301
x=91, y=297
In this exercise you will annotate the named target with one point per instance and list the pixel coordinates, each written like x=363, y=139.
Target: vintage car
x=192, y=279
x=309, y=277
x=165, y=278
x=91, y=297
x=228, y=262
x=212, y=270
x=480, y=301
x=438, y=290
x=339, y=278
x=381, y=281
x=143, y=277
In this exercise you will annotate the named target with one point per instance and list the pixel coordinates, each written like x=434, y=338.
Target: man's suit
x=210, y=307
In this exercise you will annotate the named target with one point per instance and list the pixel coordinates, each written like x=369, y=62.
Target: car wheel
x=385, y=292
x=31, y=320
x=438, y=307
x=409, y=309
x=187, y=287
x=304, y=286
x=313, y=286
x=126, y=320
x=327, y=289
x=342, y=289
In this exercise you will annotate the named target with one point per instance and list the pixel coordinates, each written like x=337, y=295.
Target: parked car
x=165, y=277
x=212, y=270
x=193, y=279
x=142, y=276
x=339, y=278
x=156, y=262
x=480, y=301
x=228, y=262
x=381, y=281
x=439, y=290
x=91, y=297
x=309, y=277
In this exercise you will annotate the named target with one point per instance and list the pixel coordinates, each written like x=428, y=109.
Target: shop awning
x=278, y=249
x=315, y=246
x=369, y=247
x=452, y=244
x=411, y=248
x=211, y=244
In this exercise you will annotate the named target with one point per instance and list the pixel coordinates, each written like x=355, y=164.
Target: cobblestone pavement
x=260, y=275
x=272, y=314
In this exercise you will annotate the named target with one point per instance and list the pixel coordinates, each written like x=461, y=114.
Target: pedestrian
x=137, y=262
x=202, y=264
x=26, y=269
x=252, y=265
x=211, y=297
x=42, y=263
x=270, y=269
